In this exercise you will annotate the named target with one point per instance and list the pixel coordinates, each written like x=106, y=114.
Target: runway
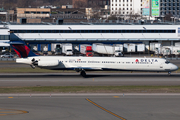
x=100, y=106
x=91, y=107
x=92, y=79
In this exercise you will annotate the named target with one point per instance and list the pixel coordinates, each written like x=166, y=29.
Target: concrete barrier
x=7, y=59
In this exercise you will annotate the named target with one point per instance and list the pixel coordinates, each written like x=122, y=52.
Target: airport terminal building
x=45, y=35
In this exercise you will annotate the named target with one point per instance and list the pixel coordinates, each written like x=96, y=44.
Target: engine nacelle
x=48, y=63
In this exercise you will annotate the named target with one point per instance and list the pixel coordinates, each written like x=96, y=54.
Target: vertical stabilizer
x=22, y=50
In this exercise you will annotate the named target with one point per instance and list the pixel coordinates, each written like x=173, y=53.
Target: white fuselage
x=100, y=63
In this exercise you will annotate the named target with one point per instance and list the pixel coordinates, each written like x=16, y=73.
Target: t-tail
x=22, y=50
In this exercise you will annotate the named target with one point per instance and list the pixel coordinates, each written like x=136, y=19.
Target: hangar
x=46, y=35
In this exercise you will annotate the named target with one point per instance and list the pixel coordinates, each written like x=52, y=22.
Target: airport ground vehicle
x=58, y=49
x=67, y=49
x=86, y=50
x=106, y=49
x=118, y=50
x=170, y=50
x=7, y=55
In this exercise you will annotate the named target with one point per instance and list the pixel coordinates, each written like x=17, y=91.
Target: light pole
x=172, y=19
x=53, y=19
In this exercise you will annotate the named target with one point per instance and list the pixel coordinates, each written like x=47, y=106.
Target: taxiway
x=92, y=79
x=88, y=107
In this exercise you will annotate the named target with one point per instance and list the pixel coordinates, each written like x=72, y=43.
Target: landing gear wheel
x=169, y=73
x=83, y=73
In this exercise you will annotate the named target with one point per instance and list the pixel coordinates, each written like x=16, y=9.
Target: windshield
x=69, y=50
x=117, y=51
x=167, y=62
x=88, y=51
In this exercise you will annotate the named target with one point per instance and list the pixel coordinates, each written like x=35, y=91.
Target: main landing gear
x=83, y=73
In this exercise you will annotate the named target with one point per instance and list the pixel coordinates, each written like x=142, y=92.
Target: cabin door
x=161, y=65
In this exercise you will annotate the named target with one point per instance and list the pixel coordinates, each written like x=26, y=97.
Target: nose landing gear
x=169, y=73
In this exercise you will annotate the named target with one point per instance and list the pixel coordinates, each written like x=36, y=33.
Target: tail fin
x=22, y=50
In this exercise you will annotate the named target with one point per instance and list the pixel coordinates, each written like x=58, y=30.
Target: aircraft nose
x=174, y=68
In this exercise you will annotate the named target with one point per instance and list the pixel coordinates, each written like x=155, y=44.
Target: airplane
x=83, y=64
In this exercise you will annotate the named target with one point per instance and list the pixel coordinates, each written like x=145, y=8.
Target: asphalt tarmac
x=91, y=107
x=111, y=106
x=92, y=79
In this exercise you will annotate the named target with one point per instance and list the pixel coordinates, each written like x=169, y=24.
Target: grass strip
x=92, y=89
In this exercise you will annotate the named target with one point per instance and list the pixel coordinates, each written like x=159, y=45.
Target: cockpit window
x=167, y=62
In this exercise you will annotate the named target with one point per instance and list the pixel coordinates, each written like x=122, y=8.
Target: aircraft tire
x=83, y=73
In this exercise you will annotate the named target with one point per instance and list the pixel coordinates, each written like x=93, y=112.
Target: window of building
x=4, y=37
x=27, y=12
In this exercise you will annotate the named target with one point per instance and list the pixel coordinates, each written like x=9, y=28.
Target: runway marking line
x=105, y=109
x=4, y=112
x=116, y=96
